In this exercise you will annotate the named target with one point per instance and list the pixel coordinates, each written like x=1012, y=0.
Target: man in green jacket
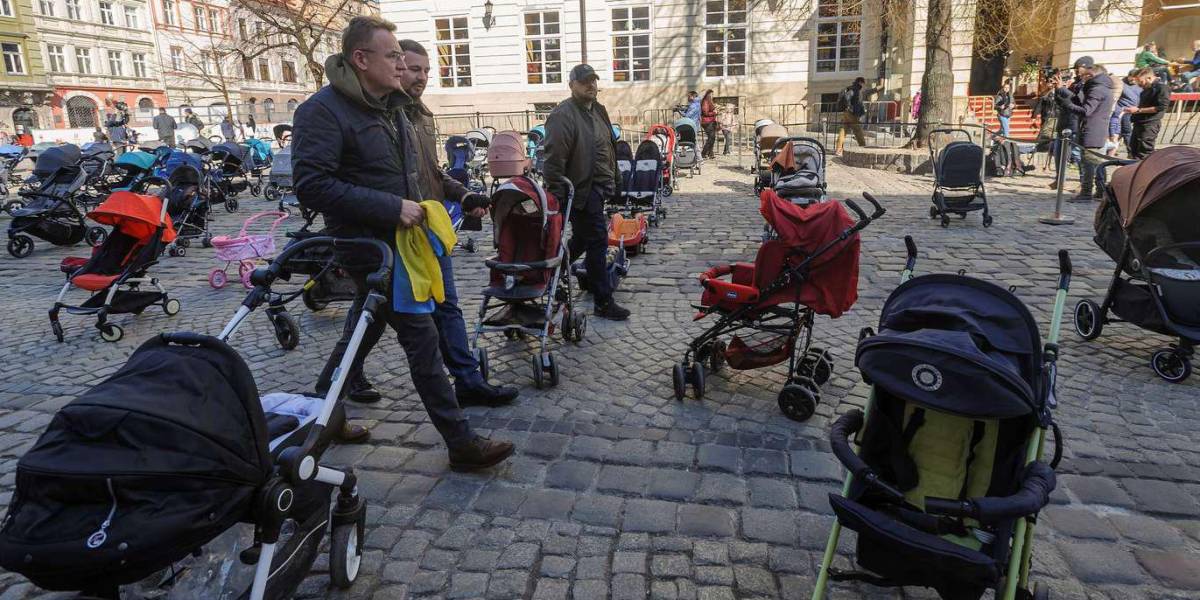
x=1149, y=57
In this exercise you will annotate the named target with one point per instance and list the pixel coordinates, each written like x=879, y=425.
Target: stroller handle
x=280, y=217
x=910, y=246
x=1064, y=269
x=839, y=442
x=379, y=280
x=863, y=218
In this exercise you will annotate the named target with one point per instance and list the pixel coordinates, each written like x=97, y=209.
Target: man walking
x=692, y=108
x=164, y=125
x=1147, y=115
x=579, y=147
x=1092, y=105
x=469, y=385
x=850, y=104
x=355, y=162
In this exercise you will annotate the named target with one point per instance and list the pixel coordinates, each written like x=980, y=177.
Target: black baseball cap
x=583, y=73
x=1086, y=62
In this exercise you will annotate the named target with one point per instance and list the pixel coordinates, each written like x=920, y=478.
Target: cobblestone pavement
x=619, y=491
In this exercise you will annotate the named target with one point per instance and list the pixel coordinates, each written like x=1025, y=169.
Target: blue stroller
x=459, y=154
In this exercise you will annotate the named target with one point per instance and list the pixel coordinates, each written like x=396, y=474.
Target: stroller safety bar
x=839, y=440
x=519, y=267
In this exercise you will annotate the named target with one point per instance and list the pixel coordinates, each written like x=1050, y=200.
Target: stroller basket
x=758, y=350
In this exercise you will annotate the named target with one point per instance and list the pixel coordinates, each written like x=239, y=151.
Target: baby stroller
x=533, y=140
x=808, y=267
x=96, y=159
x=797, y=169
x=641, y=201
x=52, y=212
x=506, y=157
x=260, y=158
x=766, y=133
x=233, y=164
x=189, y=199
x=481, y=140
x=153, y=471
x=245, y=249
x=958, y=167
x=1149, y=223
x=664, y=137
x=459, y=154
x=279, y=187
x=949, y=477
x=130, y=168
x=687, y=149
x=524, y=294
x=627, y=225
x=10, y=156
x=117, y=268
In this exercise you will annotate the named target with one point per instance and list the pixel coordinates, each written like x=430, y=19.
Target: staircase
x=1022, y=125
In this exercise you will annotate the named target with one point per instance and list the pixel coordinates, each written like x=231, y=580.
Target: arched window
x=25, y=117
x=268, y=107
x=291, y=106
x=81, y=112
x=146, y=103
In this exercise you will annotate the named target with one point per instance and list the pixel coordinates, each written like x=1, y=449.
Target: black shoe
x=1080, y=198
x=362, y=391
x=612, y=311
x=479, y=453
x=484, y=394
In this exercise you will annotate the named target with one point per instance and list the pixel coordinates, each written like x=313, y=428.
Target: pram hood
x=260, y=150
x=198, y=145
x=481, y=138
x=1138, y=186
x=281, y=130
x=959, y=164
x=459, y=150
x=179, y=166
x=506, y=156
x=759, y=124
x=649, y=150
x=623, y=151
x=135, y=215
x=768, y=135
x=668, y=136
x=685, y=130
x=96, y=149
x=55, y=158
x=230, y=152
x=959, y=345
x=524, y=196
x=137, y=159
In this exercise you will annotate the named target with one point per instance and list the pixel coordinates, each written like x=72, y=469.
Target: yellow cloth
x=420, y=261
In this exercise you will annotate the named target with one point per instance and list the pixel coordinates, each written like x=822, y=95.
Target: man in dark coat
x=355, y=162
x=1147, y=116
x=579, y=148
x=1092, y=105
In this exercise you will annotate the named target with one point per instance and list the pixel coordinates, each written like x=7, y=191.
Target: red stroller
x=528, y=291
x=141, y=230
x=807, y=265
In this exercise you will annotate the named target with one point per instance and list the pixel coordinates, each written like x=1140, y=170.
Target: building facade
x=25, y=96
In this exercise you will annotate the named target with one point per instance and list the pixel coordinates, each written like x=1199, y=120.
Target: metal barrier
x=1181, y=123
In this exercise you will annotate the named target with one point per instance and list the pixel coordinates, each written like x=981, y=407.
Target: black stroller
x=957, y=169
x=949, y=478
x=189, y=196
x=234, y=174
x=96, y=159
x=1149, y=223
x=52, y=211
x=151, y=472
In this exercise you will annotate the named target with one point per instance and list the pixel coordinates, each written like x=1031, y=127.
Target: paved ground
x=619, y=491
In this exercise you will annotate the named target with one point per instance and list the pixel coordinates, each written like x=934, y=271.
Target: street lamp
x=488, y=19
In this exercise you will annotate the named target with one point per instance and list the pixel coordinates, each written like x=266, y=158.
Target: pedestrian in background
x=164, y=126
x=1092, y=105
x=227, y=129
x=729, y=123
x=850, y=104
x=1147, y=115
x=708, y=121
x=1003, y=103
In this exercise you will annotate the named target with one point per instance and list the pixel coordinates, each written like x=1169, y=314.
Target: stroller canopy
x=231, y=151
x=135, y=215
x=649, y=150
x=616, y=129
x=768, y=134
x=281, y=130
x=686, y=130
x=506, y=156
x=959, y=164
x=261, y=150
x=137, y=159
x=832, y=285
x=521, y=196
x=667, y=133
x=458, y=151
x=1139, y=186
x=198, y=145
x=53, y=159
x=12, y=150
x=481, y=138
x=96, y=148
x=179, y=160
x=623, y=151
x=959, y=345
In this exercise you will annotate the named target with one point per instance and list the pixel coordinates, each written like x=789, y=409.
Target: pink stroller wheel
x=217, y=278
x=245, y=268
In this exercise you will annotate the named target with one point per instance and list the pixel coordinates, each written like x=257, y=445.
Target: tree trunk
x=937, y=83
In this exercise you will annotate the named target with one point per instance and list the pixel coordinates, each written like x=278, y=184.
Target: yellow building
x=24, y=94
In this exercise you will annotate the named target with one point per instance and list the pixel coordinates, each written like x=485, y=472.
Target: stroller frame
x=21, y=244
x=1017, y=574
x=801, y=393
x=760, y=184
x=943, y=205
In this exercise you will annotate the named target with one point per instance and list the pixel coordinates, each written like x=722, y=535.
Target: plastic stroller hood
x=53, y=159
x=506, y=156
x=136, y=159
x=135, y=215
x=1140, y=185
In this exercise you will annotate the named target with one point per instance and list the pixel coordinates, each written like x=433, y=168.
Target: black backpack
x=843, y=101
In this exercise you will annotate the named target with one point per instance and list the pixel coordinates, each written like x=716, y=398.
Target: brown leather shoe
x=479, y=453
x=353, y=434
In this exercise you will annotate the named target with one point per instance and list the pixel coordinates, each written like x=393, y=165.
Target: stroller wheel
x=272, y=193
x=539, y=374
x=58, y=330
x=309, y=298
x=1087, y=320
x=481, y=357
x=171, y=307
x=245, y=268
x=933, y=212
x=797, y=402
x=217, y=278
x=231, y=205
x=1171, y=364
x=183, y=243
x=552, y=369
x=679, y=379
x=580, y=325
x=1041, y=592
x=716, y=356
x=945, y=220
x=20, y=246
x=95, y=236
x=815, y=365
x=698, y=380
x=345, y=555
x=287, y=332
x=567, y=326
x=111, y=333
x=987, y=220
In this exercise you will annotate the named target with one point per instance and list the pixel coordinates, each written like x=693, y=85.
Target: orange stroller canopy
x=135, y=215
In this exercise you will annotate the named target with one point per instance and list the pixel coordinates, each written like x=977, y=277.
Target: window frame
x=283, y=70
x=119, y=62
x=138, y=59
x=77, y=13
x=61, y=56
x=248, y=69
x=453, y=42
x=6, y=8
x=46, y=4
x=82, y=54
x=199, y=18
x=170, y=8
x=176, y=58
x=542, y=37
x=18, y=58
x=727, y=25
x=264, y=63
x=843, y=15
x=631, y=33
x=131, y=13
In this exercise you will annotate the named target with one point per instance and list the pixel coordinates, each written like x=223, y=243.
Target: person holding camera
x=1091, y=106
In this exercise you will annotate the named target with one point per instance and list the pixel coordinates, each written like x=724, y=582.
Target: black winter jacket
x=1092, y=105
x=571, y=151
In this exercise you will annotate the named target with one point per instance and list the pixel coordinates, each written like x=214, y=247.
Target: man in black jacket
x=355, y=162
x=579, y=147
x=1148, y=114
x=1093, y=106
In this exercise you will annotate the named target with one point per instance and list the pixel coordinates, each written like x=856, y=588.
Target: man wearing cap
x=579, y=148
x=1092, y=105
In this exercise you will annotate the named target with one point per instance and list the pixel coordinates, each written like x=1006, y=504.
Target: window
x=168, y=7
x=58, y=62
x=631, y=43
x=106, y=13
x=839, y=39
x=210, y=62
x=248, y=68
x=176, y=58
x=454, y=52
x=543, y=48
x=6, y=8
x=139, y=64
x=14, y=62
x=213, y=20
x=46, y=7
x=264, y=69
x=242, y=29
x=725, y=38
x=114, y=63
x=268, y=106
x=289, y=71
x=75, y=12
x=131, y=17
x=81, y=112
x=201, y=19
x=83, y=61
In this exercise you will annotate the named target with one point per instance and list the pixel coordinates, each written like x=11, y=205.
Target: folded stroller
x=949, y=479
x=766, y=133
x=957, y=168
x=117, y=268
x=1149, y=223
x=527, y=292
x=687, y=148
x=664, y=137
x=52, y=211
x=151, y=472
x=808, y=266
x=797, y=169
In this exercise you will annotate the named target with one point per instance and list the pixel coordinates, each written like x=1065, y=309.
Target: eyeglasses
x=394, y=56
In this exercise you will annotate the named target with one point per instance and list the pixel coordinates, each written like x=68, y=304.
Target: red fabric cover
x=634, y=229
x=93, y=282
x=72, y=263
x=522, y=238
x=136, y=215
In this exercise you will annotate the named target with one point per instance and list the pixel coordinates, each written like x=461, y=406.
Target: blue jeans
x=1004, y=125
x=452, y=332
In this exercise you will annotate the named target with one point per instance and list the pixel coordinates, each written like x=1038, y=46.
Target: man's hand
x=478, y=213
x=1129, y=110
x=476, y=205
x=411, y=213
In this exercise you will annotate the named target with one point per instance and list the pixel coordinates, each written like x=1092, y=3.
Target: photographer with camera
x=1091, y=105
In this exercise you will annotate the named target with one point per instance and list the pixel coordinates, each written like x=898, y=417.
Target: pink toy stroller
x=245, y=249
